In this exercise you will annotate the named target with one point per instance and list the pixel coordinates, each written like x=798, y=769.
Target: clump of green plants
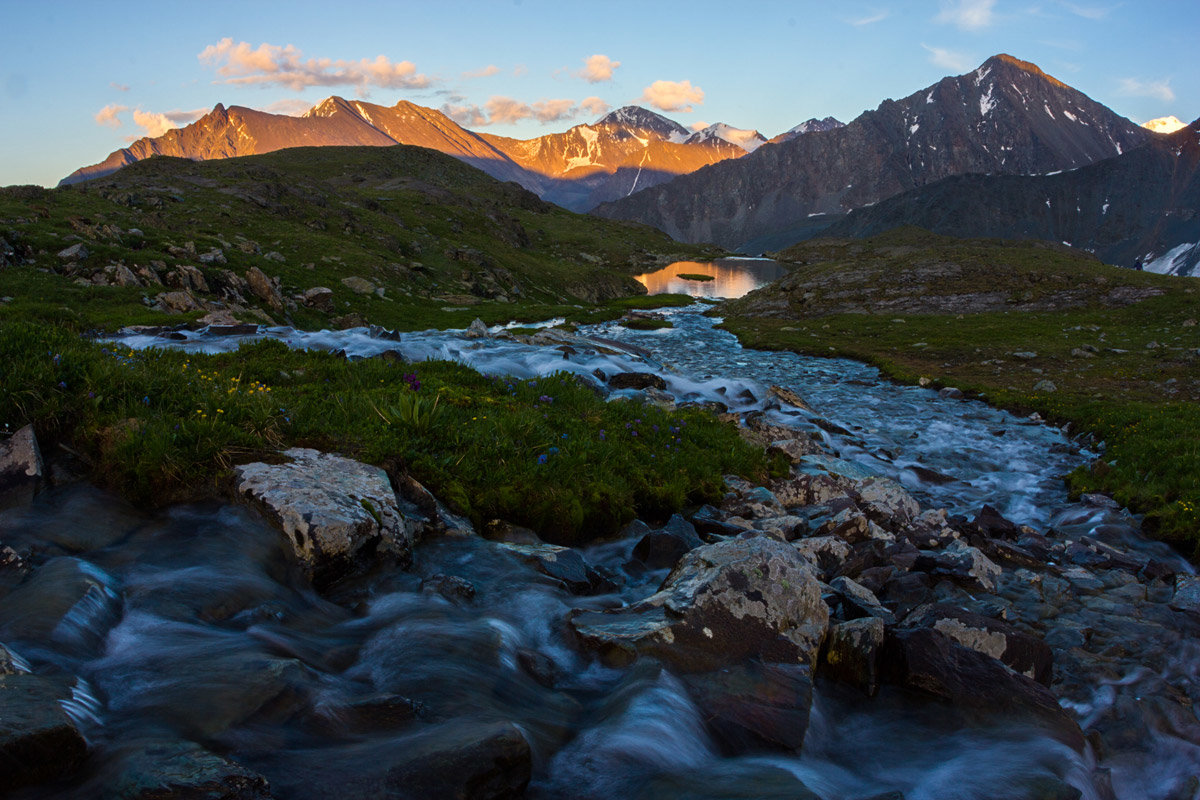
x=163, y=425
x=647, y=323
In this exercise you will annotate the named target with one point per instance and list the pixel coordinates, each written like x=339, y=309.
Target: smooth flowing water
x=191, y=624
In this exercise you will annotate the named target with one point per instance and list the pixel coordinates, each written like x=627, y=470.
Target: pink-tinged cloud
x=1159, y=90
x=594, y=106
x=486, y=72
x=698, y=125
x=672, y=95
x=948, y=59
x=291, y=107
x=154, y=123
x=502, y=110
x=555, y=110
x=271, y=65
x=598, y=68
x=109, y=115
x=468, y=116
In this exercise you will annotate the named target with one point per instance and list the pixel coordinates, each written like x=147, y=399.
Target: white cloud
x=291, y=107
x=598, y=68
x=486, y=72
x=501, y=110
x=969, y=15
x=878, y=16
x=155, y=124
x=594, y=106
x=698, y=125
x=108, y=116
x=241, y=65
x=120, y=87
x=672, y=95
x=948, y=59
x=1087, y=12
x=1159, y=90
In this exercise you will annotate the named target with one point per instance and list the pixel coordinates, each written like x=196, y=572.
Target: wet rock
x=793, y=449
x=992, y=524
x=962, y=562
x=849, y=524
x=712, y=521
x=786, y=527
x=318, y=297
x=851, y=653
x=554, y=561
x=477, y=330
x=1082, y=580
x=636, y=380
x=236, y=329
x=932, y=662
x=8, y=665
x=1187, y=594
x=21, y=468
x=488, y=761
x=68, y=602
x=174, y=771
x=951, y=393
x=1021, y=652
x=38, y=741
x=826, y=553
x=337, y=514
x=790, y=397
x=930, y=476
x=810, y=489
x=723, y=603
x=538, y=666
x=451, y=587
x=664, y=547
x=754, y=706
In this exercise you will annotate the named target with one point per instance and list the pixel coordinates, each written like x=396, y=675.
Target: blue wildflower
x=542, y=459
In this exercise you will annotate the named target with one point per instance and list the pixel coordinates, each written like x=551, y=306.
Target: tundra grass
x=1128, y=376
x=160, y=426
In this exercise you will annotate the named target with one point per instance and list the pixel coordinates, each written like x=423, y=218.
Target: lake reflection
x=732, y=277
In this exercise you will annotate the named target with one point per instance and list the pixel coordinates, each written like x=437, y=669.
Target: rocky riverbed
x=837, y=633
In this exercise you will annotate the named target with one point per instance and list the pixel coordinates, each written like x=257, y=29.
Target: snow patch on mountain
x=1168, y=124
x=746, y=139
x=1181, y=260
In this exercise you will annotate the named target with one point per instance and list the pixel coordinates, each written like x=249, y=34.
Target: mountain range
x=626, y=150
x=974, y=155
x=1141, y=208
x=1006, y=117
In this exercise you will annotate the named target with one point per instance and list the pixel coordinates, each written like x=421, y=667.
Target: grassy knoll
x=1121, y=348
x=160, y=426
x=432, y=241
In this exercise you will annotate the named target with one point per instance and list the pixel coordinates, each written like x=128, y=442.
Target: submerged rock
x=337, y=514
x=723, y=603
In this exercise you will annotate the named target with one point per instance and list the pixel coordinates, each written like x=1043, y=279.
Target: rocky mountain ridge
x=1005, y=117
x=1140, y=209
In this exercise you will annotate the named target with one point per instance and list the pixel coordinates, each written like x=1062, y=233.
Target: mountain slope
x=1007, y=116
x=1143, y=206
x=627, y=150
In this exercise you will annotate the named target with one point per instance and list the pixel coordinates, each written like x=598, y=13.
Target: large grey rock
x=1022, y=652
x=38, y=741
x=21, y=467
x=662, y=548
x=336, y=513
x=886, y=501
x=961, y=561
x=488, y=761
x=318, y=297
x=76, y=252
x=554, y=561
x=752, y=706
x=477, y=330
x=358, y=285
x=264, y=288
x=723, y=603
x=852, y=652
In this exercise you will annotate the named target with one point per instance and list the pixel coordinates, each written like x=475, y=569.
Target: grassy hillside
x=997, y=319
x=427, y=230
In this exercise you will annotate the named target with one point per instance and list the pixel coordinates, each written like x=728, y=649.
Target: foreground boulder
x=724, y=603
x=176, y=769
x=38, y=741
x=754, y=706
x=20, y=467
x=337, y=514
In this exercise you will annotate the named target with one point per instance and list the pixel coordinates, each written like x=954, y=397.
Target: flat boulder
x=723, y=604
x=336, y=514
x=554, y=561
x=38, y=741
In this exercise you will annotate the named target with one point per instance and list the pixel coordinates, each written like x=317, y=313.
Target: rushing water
x=731, y=277
x=191, y=623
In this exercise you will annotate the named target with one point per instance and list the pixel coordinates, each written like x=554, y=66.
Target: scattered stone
x=885, y=501
x=723, y=603
x=790, y=397
x=21, y=468
x=478, y=329
x=451, y=587
x=334, y=512
x=318, y=297
x=157, y=770
x=213, y=256
x=1079, y=352
x=358, y=285
x=960, y=560
x=859, y=601
x=264, y=288
x=177, y=302
x=76, y=252
x=951, y=393
x=1045, y=386
x=636, y=380
x=1025, y=355
x=554, y=561
x=38, y=741
x=1187, y=594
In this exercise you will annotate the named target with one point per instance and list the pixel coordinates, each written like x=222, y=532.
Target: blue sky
x=81, y=79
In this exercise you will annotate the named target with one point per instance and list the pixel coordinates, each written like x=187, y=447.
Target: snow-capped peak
x=745, y=139
x=643, y=119
x=1165, y=124
x=815, y=125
